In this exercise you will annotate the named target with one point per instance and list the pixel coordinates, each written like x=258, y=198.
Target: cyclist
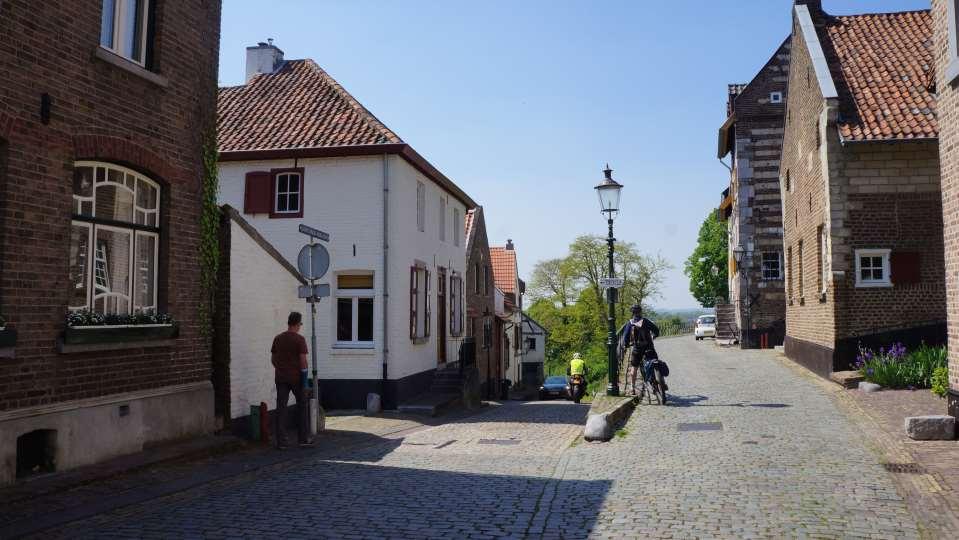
x=577, y=366
x=637, y=342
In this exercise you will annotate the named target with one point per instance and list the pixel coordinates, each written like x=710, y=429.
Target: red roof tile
x=298, y=106
x=882, y=65
x=504, y=268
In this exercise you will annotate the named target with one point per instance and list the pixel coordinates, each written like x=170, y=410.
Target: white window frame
x=99, y=293
x=776, y=97
x=886, y=268
x=952, y=69
x=456, y=293
x=823, y=259
x=421, y=207
x=355, y=295
x=442, y=212
x=87, y=274
x=133, y=228
x=762, y=263
x=119, y=29
x=288, y=192
x=423, y=309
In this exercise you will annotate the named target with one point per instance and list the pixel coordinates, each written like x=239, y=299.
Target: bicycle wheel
x=659, y=386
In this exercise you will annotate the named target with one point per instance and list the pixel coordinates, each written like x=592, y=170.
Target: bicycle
x=656, y=387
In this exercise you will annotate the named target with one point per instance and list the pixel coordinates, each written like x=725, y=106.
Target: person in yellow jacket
x=577, y=366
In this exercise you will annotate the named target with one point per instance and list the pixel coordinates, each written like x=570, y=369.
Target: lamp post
x=741, y=255
x=609, y=191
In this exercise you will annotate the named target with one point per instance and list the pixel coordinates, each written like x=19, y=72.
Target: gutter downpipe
x=386, y=275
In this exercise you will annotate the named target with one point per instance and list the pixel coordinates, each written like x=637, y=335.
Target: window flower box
x=120, y=333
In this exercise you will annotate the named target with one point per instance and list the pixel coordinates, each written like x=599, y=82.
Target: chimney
x=264, y=58
x=815, y=6
x=509, y=244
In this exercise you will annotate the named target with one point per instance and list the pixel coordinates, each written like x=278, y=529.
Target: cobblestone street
x=785, y=463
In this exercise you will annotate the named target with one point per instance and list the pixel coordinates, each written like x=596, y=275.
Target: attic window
x=776, y=97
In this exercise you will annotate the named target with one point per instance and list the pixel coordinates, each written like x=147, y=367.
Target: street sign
x=611, y=283
x=315, y=233
x=321, y=290
x=313, y=261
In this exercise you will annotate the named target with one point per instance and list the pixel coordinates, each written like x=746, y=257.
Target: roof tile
x=504, y=268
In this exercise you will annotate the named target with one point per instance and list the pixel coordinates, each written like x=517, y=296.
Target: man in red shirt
x=289, y=362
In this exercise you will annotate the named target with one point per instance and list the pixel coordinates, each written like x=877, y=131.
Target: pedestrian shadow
x=335, y=499
x=697, y=401
x=540, y=412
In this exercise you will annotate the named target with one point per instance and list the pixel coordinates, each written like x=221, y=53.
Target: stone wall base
x=89, y=431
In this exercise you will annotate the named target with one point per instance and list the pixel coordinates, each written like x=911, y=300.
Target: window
x=776, y=97
x=872, y=268
x=287, y=193
x=772, y=265
x=124, y=28
x=457, y=227
x=789, y=274
x=952, y=70
x=799, y=254
x=823, y=279
x=114, y=240
x=419, y=303
x=531, y=344
x=354, y=311
x=456, y=305
x=442, y=212
x=420, y=207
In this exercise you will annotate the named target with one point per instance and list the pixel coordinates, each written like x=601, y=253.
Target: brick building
x=946, y=52
x=510, y=311
x=862, y=204
x=752, y=135
x=481, y=305
x=103, y=108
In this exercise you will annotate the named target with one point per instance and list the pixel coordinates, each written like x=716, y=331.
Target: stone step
x=429, y=404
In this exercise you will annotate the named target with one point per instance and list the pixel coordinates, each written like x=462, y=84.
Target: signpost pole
x=313, y=262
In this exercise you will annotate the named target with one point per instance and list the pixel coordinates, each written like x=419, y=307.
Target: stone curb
x=599, y=427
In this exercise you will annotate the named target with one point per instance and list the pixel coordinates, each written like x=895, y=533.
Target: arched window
x=114, y=239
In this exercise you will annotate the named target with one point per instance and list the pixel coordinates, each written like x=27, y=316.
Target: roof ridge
x=849, y=16
x=352, y=101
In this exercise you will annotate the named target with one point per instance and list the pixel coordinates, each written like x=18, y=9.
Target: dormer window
x=124, y=28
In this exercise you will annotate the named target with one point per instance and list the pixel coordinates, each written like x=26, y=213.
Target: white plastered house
x=296, y=148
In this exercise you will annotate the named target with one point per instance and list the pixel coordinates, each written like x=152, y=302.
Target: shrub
x=895, y=368
x=85, y=317
x=940, y=381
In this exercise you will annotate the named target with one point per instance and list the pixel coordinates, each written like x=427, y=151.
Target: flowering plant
x=897, y=368
x=86, y=317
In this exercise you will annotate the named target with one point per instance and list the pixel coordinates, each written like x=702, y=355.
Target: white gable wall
x=343, y=197
x=262, y=294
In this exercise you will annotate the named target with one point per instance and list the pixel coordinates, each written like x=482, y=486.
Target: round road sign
x=313, y=261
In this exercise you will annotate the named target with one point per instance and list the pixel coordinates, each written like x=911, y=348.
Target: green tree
x=707, y=267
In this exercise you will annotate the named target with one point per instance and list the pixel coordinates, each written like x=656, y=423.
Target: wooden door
x=441, y=315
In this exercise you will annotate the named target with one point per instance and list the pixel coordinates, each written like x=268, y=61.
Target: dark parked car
x=555, y=386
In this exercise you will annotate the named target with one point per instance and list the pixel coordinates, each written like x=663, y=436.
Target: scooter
x=577, y=387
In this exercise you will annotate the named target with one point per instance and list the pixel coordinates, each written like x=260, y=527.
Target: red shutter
x=258, y=196
x=905, y=267
x=412, y=302
x=426, y=302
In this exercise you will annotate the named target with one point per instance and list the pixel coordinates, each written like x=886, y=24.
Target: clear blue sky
x=523, y=103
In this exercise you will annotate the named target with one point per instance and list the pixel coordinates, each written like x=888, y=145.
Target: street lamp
x=609, y=191
x=741, y=255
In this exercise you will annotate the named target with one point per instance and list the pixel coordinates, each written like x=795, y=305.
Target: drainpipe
x=386, y=273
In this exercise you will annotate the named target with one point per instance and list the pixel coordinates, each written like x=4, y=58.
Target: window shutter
x=258, y=196
x=453, y=306
x=426, y=302
x=905, y=267
x=412, y=302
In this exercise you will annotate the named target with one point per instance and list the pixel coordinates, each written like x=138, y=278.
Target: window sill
x=106, y=338
x=354, y=346
x=421, y=340
x=883, y=285
x=130, y=67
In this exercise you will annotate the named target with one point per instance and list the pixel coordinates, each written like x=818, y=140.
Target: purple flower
x=869, y=371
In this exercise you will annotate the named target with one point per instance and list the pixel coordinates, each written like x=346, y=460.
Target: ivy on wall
x=209, y=231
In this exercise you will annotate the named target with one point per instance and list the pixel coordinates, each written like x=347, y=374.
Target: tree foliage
x=568, y=300
x=707, y=267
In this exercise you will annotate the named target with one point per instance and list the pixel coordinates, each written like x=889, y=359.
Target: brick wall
x=477, y=304
x=756, y=222
x=103, y=112
x=948, y=105
x=802, y=183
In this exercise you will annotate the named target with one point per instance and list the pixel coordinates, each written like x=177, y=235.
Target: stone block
x=598, y=428
x=848, y=379
x=938, y=427
x=869, y=387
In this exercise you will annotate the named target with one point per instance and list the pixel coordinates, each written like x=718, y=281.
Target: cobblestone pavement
x=786, y=463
